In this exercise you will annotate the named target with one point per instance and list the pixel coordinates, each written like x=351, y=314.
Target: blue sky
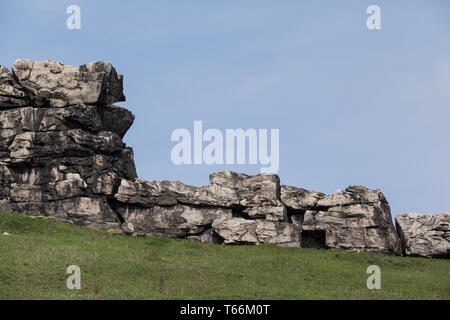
x=353, y=106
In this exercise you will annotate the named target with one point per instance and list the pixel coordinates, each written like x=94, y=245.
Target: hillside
x=35, y=253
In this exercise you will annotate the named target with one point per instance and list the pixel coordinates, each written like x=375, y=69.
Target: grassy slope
x=34, y=258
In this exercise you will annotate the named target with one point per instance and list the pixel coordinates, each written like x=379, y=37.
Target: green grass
x=34, y=258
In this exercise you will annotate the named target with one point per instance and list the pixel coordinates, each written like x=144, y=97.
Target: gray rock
x=31, y=147
x=259, y=195
x=87, y=211
x=90, y=212
x=127, y=228
x=167, y=193
x=358, y=220
x=116, y=119
x=243, y=231
x=296, y=199
x=207, y=236
x=11, y=93
x=353, y=195
x=61, y=151
x=425, y=235
x=14, y=122
x=272, y=213
x=79, y=116
x=105, y=183
x=57, y=85
x=176, y=221
x=62, y=154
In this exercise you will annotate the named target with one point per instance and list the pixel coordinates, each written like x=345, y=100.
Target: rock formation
x=357, y=219
x=62, y=154
x=61, y=149
x=425, y=235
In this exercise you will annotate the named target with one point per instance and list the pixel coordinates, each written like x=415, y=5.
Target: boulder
x=243, y=231
x=357, y=219
x=54, y=84
x=115, y=119
x=259, y=195
x=178, y=221
x=424, y=235
x=298, y=199
x=167, y=193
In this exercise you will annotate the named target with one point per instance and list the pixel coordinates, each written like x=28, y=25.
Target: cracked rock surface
x=62, y=154
x=356, y=219
x=61, y=148
x=425, y=235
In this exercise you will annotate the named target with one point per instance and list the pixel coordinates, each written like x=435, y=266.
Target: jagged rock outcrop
x=424, y=235
x=62, y=154
x=61, y=149
x=53, y=84
x=355, y=219
x=241, y=209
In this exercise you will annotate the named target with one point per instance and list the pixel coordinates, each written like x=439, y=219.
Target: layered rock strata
x=61, y=148
x=62, y=154
x=424, y=235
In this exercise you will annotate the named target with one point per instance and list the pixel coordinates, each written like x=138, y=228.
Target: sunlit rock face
x=357, y=219
x=62, y=154
x=61, y=148
x=425, y=235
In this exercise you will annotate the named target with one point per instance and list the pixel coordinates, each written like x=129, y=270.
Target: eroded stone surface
x=259, y=195
x=61, y=148
x=298, y=199
x=62, y=154
x=243, y=231
x=11, y=93
x=172, y=221
x=357, y=219
x=166, y=193
x=55, y=84
x=425, y=235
